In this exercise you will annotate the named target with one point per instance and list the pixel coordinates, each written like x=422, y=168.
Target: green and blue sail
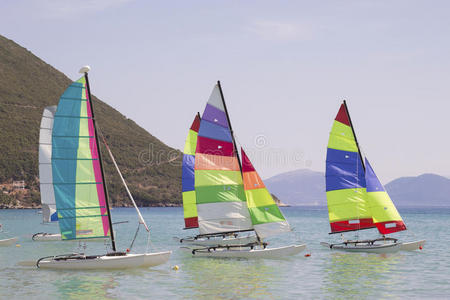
x=77, y=178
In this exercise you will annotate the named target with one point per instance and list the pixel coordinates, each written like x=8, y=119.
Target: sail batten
x=78, y=182
x=219, y=190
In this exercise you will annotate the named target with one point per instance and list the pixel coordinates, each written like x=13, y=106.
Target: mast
x=229, y=124
x=354, y=134
x=113, y=242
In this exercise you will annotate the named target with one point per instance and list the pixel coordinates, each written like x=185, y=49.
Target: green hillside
x=27, y=85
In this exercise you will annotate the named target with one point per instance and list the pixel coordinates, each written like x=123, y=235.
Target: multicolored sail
x=77, y=177
x=221, y=201
x=45, y=166
x=267, y=219
x=188, y=178
x=384, y=214
x=345, y=179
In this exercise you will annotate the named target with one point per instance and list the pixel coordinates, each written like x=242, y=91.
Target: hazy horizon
x=285, y=67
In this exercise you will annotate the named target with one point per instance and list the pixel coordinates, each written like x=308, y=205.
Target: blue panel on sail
x=344, y=170
x=213, y=131
x=372, y=182
x=188, y=177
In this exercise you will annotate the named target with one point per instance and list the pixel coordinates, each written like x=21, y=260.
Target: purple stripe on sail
x=215, y=115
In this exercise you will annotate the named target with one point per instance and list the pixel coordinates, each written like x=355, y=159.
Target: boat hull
x=8, y=242
x=244, y=240
x=272, y=253
x=411, y=246
x=380, y=248
x=128, y=261
x=44, y=237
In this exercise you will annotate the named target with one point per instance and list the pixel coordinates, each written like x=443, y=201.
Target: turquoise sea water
x=324, y=274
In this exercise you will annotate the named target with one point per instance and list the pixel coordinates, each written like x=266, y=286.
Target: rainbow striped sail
x=188, y=178
x=77, y=177
x=384, y=214
x=267, y=219
x=345, y=181
x=221, y=201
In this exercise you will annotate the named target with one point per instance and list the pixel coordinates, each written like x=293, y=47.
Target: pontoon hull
x=8, y=242
x=44, y=237
x=273, y=253
x=128, y=261
x=380, y=248
x=244, y=240
x=411, y=246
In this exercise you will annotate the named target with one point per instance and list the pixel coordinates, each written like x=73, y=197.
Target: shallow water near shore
x=324, y=274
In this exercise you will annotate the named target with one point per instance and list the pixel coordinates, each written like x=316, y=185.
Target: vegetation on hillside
x=27, y=85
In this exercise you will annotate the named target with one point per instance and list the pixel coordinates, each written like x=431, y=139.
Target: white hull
x=376, y=248
x=43, y=237
x=228, y=241
x=127, y=261
x=274, y=253
x=8, y=242
x=411, y=246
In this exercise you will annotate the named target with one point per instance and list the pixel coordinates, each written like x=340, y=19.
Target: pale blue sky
x=285, y=66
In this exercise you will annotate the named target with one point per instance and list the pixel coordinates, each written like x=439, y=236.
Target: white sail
x=45, y=165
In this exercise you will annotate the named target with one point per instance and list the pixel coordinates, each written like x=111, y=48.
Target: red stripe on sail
x=342, y=116
x=390, y=226
x=246, y=163
x=196, y=124
x=214, y=147
x=191, y=222
x=347, y=226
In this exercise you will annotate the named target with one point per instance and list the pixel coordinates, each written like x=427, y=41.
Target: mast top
x=84, y=69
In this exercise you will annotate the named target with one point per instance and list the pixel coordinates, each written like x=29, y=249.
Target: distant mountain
x=27, y=85
x=299, y=187
x=306, y=187
x=423, y=190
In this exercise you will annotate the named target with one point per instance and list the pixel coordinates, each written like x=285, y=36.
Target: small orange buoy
x=307, y=254
x=128, y=250
x=420, y=248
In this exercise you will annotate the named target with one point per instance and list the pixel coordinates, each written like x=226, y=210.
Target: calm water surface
x=324, y=274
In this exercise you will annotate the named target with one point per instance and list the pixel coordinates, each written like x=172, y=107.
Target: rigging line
x=141, y=219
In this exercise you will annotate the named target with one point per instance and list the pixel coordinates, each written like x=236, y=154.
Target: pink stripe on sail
x=97, y=170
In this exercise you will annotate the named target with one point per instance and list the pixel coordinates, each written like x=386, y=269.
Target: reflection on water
x=77, y=286
x=211, y=278
x=359, y=275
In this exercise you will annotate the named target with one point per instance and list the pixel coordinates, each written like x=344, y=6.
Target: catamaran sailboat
x=223, y=197
x=80, y=190
x=356, y=198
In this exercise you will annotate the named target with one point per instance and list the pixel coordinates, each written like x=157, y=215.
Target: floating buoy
x=176, y=268
x=307, y=254
x=128, y=250
x=17, y=245
x=420, y=248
